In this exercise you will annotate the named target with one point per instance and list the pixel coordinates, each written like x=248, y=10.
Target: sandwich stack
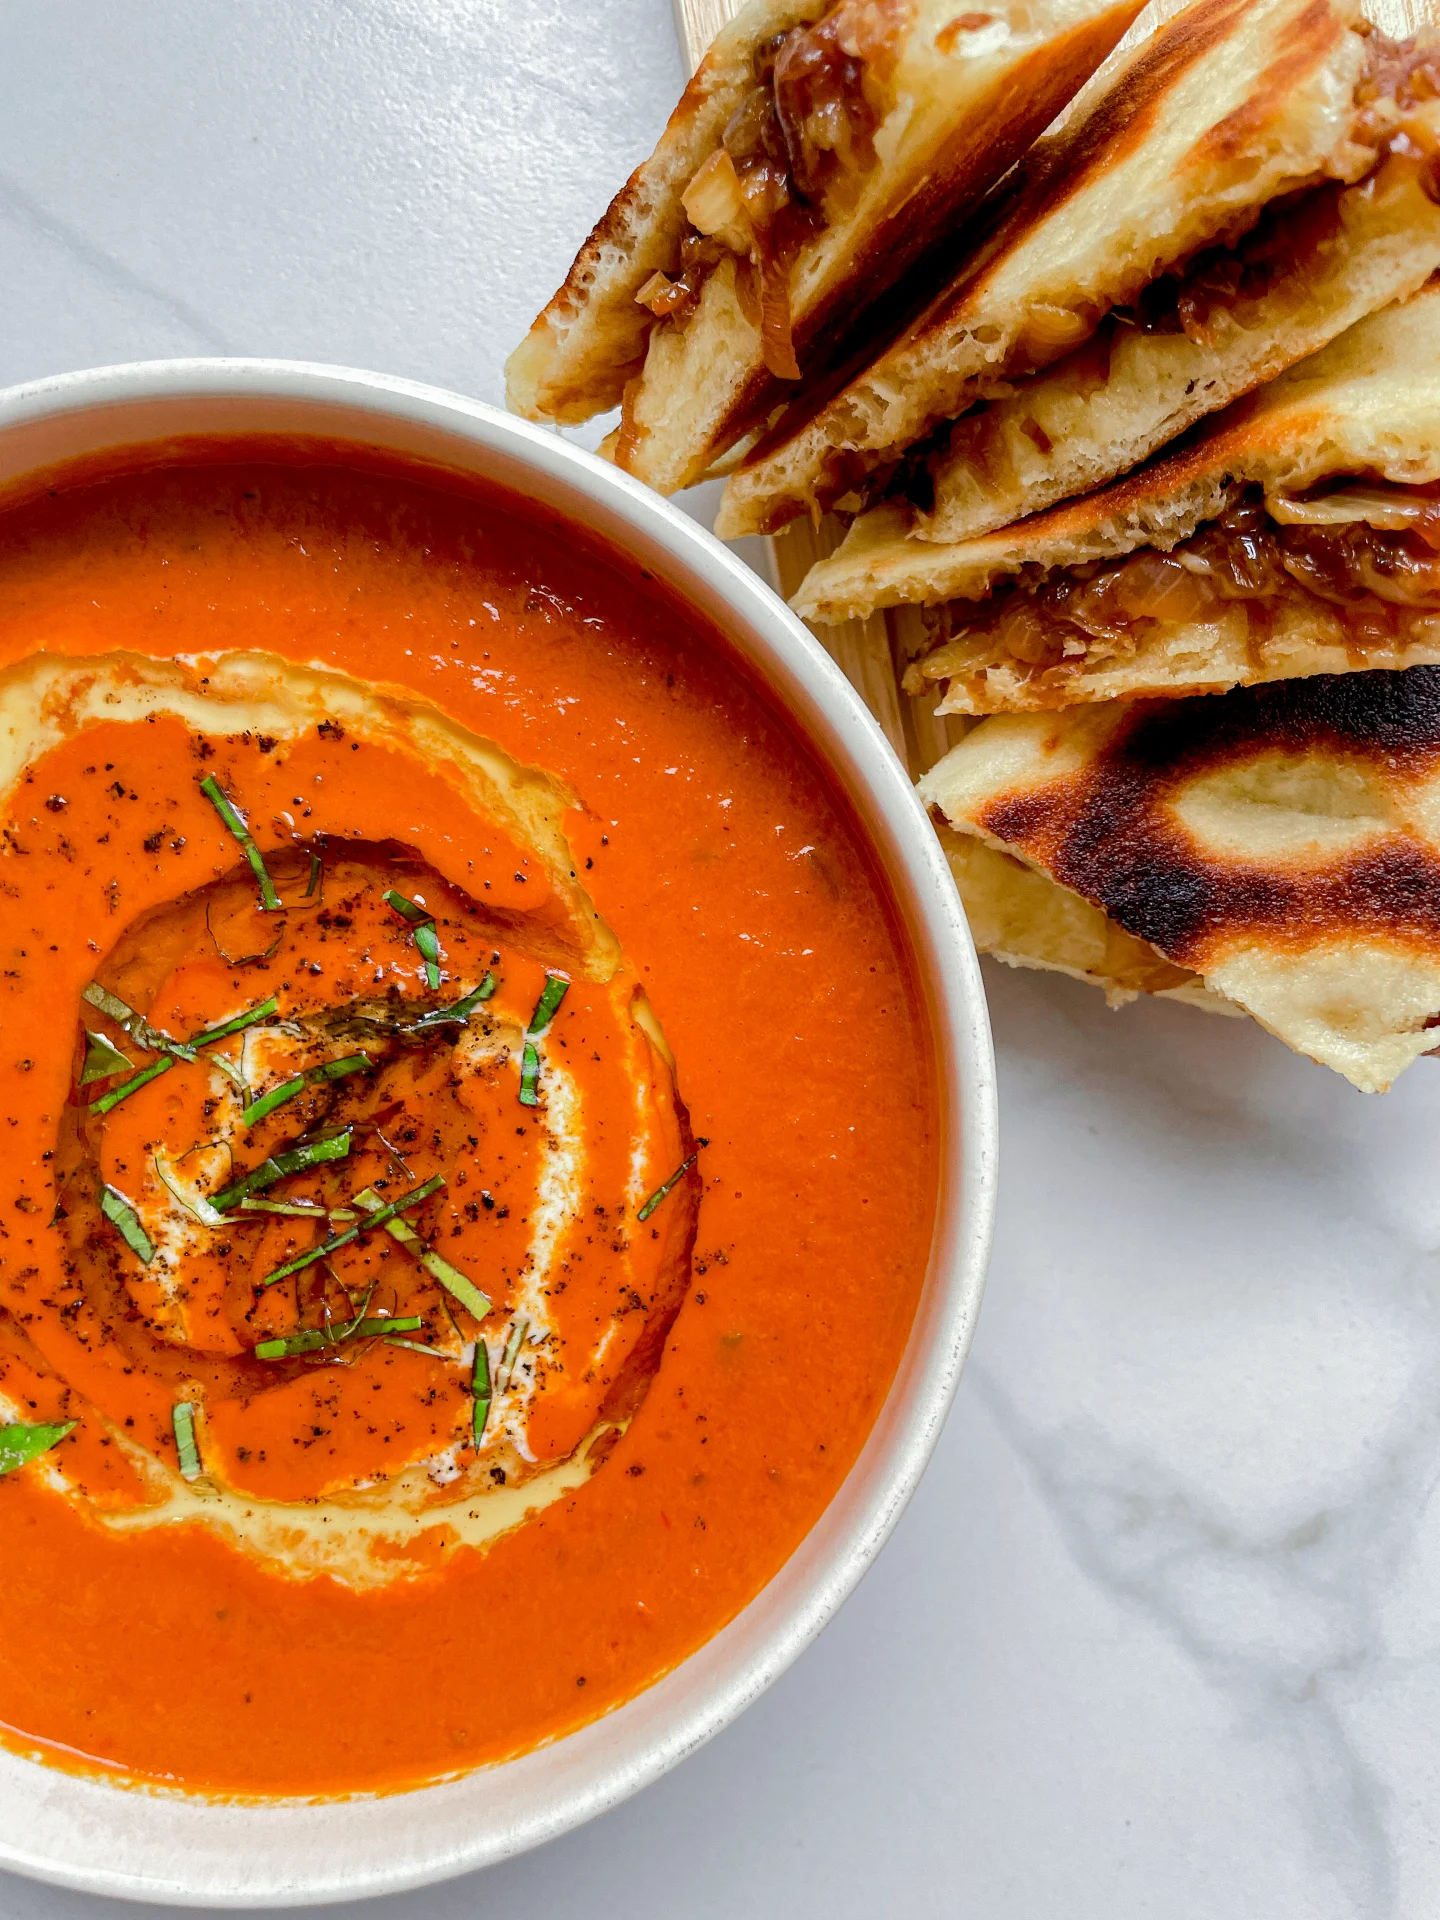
x=1123, y=452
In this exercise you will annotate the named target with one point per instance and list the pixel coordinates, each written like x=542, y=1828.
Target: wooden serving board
x=873, y=653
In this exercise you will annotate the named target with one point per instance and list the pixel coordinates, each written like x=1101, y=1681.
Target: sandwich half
x=818, y=153
x=1282, y=843
x=1245, y=184
x=1297, y=533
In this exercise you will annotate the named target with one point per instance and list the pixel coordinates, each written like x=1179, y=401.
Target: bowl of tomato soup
x=500, y=1134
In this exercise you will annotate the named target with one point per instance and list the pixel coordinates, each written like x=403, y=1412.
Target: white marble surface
x=1160, y=1635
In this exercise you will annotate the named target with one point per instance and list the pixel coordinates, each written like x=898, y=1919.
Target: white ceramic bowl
x=80, y=1833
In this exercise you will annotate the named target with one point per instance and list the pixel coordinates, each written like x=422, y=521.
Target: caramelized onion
x=663, y=296
x=1152, y=586
x=1365, y=571
x=793, y=154
x=777, y=343
x=1051, y=331
x=1390, y=508
x=715, y=203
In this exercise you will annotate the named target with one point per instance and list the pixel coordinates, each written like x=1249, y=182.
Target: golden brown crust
x=1280, y=841
x=590, y=338
x=704, y=386
x=1226, y=107
x=1022, y=917
x=1113, y=403
x=1369, y=402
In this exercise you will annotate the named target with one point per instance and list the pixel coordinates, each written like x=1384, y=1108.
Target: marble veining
x=1160, y=1634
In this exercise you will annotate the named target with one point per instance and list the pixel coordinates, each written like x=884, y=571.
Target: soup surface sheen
x=554, y=950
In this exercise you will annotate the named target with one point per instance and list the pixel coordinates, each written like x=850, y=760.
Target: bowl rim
x=53, y=1823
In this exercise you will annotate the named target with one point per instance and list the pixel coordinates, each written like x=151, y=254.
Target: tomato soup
x=470, y=1149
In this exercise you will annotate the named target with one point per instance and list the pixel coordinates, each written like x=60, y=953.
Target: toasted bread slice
x=819, y=171
x=1229, y=106
x=1238, y=570
x=1280, y=841
x=1321, y=267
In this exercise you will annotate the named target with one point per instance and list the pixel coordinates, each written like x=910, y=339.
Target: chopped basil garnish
x=296, y=1159
x=530, y=1076
x=121, y=1215
x=454, y=1282
x=410, y=910
x=386, y=1213
x=428, y=944
x=480, y=1388
x=660, y=1192
x=250, y=1018
x=512, y=1349
x=309, y=1341
x=109, y=1003
x=20, y=1444
x=298, y=1209
x=236, y=822
x=102, y=1058
x=287, y=1090
x=145, y=1035
x=182, y=1419
x=153, y=1039
x=460, y=1012
x=426, y=939
x=132, y=1085
x=313, y=882
x=195, y=1203
x=312, y=1339
x=548, y=1005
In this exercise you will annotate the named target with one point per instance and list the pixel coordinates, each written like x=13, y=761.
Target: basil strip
x=153, y=1039
x=529, y=1076
x=133, y=1085
x=307, y=1153
x=435, y=1264
x=109, y=1003
x=196, y=1205
x=410, y=910
x=298, y=1209
x=238, y=1024
x=429, y=945
x=312, y=1339
x=119, y=1212
x=20, y=1444
x=480, y=1389
x=548, y=1005
x=461, y=1011
x=182, y=1419
x=287, y=1090
x=174, y=1050
x=512, y=1350
x=314, y=880
x=412, y=1199
x=660, y=1192
x=236, y=822
x=103, y=1059
x=426, y=939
